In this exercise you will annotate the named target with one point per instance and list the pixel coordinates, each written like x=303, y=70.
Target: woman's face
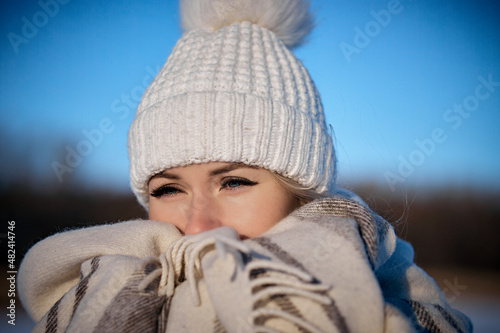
x=201, y=197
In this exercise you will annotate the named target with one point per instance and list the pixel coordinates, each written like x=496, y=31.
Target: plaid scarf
x=331, y=266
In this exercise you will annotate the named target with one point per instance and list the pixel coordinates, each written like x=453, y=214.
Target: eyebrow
x=231, y=167
x=224, y=169
x=166, y=175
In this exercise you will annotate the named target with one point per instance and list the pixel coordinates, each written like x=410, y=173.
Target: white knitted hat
x=231, y=91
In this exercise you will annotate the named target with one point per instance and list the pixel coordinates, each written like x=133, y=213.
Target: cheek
x=159, y=211
x=282, y=205
x=154, y=211
x=260, y=212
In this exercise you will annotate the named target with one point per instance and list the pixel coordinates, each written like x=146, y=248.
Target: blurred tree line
x=448, y=227
x=451, y=227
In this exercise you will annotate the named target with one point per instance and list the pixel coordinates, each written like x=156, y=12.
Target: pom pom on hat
x=290, y=20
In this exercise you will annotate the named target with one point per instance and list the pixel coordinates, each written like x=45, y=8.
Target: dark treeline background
x=454, y=231
x=451, y=227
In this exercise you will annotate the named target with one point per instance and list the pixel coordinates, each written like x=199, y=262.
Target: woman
x=201, y=197
x=230, y=154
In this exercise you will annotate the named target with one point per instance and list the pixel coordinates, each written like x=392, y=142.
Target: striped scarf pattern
x=331, y=266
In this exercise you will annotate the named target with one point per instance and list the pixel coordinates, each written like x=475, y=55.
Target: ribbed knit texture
x=234, y=95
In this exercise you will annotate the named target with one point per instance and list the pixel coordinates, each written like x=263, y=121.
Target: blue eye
x=236, y=182
x=167, y=190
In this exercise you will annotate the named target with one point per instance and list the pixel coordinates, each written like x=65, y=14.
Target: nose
x=202, y=215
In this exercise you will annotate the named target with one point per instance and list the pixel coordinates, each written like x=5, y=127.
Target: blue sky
x=404, y=86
